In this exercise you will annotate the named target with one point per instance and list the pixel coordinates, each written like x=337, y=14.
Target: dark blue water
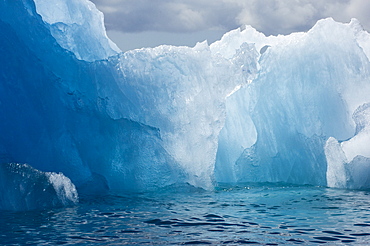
x=254, y=214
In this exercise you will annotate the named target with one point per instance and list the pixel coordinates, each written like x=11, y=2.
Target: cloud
x=169, y=16
x=268, y=16
x=283, y=17
x=359, y=9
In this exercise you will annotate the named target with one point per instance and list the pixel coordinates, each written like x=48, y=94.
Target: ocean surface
x=260, y=214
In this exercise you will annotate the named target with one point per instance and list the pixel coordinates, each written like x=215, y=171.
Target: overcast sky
x=149, y=23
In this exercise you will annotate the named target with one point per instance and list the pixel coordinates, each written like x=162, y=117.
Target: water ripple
x=258, y=215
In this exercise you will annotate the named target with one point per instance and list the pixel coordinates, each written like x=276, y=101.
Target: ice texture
x=84, y=118
x=77, y=26
x=25, y=188
x=349, y=160
x=307, y=89
x=182, y=92
x=247, y=108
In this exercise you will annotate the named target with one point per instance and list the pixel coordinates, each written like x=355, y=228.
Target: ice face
x=98, y=122
x=62, y=105
x=182, y=93
x=24, y=188
x=248, y=108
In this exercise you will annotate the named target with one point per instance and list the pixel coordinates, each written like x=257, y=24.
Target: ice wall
x=136, y=121
x=182, y=92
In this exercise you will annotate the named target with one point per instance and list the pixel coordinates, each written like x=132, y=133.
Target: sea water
x=260, y=214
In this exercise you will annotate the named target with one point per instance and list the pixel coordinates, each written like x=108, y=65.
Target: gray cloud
x=268, y=16
x=282, y=17
x=170, y=16
x=148, y=23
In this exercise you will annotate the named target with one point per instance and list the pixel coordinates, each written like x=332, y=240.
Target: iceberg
x=247, y=108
